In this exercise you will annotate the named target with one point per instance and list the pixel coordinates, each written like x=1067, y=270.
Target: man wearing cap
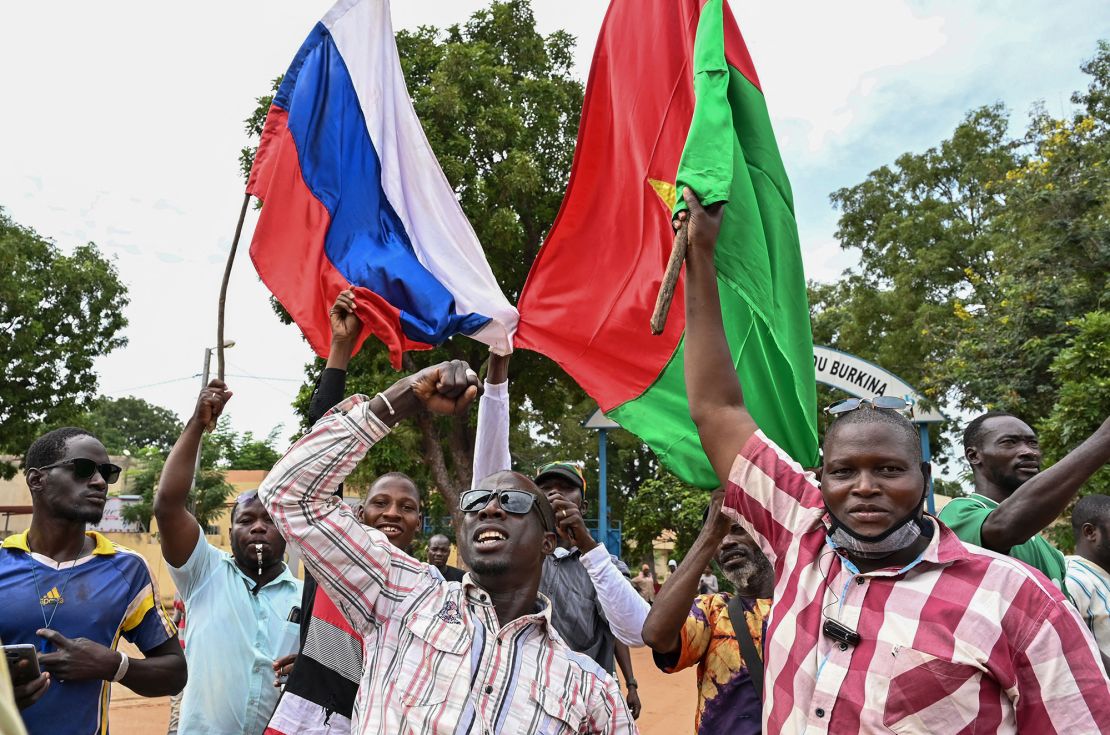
x=239, y=603
x=477, y=656
x=594, y=605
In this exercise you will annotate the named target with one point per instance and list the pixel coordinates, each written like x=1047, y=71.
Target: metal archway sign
x=862, y=379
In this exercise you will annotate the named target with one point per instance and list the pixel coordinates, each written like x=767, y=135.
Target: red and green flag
x=673, y=100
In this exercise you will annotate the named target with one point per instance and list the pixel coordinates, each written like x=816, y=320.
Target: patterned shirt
x=436, y=660
x=102, y=596
x=961, y=640
x=727, y=701
x=1089, y=586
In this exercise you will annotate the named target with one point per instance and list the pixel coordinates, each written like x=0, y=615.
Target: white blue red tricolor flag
x=354, y=195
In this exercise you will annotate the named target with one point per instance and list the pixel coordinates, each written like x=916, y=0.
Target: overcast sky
x=122, y=125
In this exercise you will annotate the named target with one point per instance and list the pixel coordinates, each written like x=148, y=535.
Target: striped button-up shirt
x=436, y=659
x=1089, y=587
x=962, y=640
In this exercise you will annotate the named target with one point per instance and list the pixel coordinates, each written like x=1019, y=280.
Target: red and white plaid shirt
x=436, y=659
x=962, y=640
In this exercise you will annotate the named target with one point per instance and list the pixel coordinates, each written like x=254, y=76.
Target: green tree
x=500, y=107
x=58, y=313
x=980, y=257
x=209, y=497
x=131, y=423
x=664, y=502
x=1082, y=370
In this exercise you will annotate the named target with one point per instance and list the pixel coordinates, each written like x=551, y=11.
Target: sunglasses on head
x=887, y=403
x=517, y=502
x=83, y=469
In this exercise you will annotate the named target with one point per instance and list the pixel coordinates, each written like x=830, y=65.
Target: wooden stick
x=223, y=288
x=670, y=280
x=223, y=294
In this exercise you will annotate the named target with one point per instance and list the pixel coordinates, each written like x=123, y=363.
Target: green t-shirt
x=965, y=516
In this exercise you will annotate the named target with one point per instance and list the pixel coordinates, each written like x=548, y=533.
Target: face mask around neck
x=900, y=536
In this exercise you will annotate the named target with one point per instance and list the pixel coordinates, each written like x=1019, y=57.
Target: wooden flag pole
x=223, y=293
x=670, y=281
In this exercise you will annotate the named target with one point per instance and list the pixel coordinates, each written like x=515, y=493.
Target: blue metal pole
x=602, y=490
x=926, y=456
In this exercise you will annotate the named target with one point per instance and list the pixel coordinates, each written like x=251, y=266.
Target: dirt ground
x=668, y=703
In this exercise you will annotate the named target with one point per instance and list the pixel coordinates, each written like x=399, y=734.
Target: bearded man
x=729, y=657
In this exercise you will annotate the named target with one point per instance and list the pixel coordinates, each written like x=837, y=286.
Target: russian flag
x=353, y=194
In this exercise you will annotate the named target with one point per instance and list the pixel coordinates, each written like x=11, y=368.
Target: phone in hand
x=23, y=663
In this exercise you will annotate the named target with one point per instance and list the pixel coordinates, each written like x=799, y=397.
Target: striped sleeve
x=145, y=622
x=1060, y=682
x=771, y=495
x=362, y=573
x=608, y=714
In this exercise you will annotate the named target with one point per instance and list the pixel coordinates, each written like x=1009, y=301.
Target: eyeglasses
x=511, y=501
x=83, y=469
x=888, y=403
x=517, y=502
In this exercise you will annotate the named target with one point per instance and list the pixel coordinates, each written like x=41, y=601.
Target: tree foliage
x=983, y=260
x=664, y=502
x=58, y=313
x=209, y=496
x=130, y=424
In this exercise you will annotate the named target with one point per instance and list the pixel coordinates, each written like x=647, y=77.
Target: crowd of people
x=847, y=607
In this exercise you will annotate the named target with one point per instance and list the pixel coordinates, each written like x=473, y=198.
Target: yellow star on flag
x=666, y=191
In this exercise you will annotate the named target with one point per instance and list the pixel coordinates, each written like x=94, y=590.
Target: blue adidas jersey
x=105, y=595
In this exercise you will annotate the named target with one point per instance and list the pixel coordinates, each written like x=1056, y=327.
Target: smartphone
x=23, y=663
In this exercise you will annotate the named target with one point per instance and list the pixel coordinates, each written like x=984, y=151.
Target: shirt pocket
x=928, y=694
x=434, y=654
x=557, y=713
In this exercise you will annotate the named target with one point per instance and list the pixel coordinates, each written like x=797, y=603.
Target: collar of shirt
x=286, y=577
x=103, y=546
x=478, y=596
x=561, y=553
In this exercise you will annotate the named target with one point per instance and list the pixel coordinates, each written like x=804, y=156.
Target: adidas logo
x=53, y=597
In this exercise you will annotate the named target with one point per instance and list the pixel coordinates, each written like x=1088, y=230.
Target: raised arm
x=357, y=566
x=345, y=328
x=178, y=530
x=621, y=604
x=1041, y=499
x=712, y=388
x=491, y=440
x=663, y=627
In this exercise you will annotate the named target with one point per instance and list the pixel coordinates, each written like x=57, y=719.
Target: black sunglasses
x=889, y=403
x=511, y=501
x=517, y=502
x=83, y=469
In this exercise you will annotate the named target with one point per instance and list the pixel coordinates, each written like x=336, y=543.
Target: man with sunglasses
x=1014, y=500
x=883, y=619
x=239, y=604
x=72, y=593
x=473, y=656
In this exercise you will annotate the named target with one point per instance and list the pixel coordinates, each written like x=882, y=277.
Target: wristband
x=388, y=405
x=124, y=662
x=631, y=684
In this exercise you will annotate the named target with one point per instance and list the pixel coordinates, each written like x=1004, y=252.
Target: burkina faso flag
x=673, y=100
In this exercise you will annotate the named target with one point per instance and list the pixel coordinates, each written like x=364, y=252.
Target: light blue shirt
x=232, y=637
